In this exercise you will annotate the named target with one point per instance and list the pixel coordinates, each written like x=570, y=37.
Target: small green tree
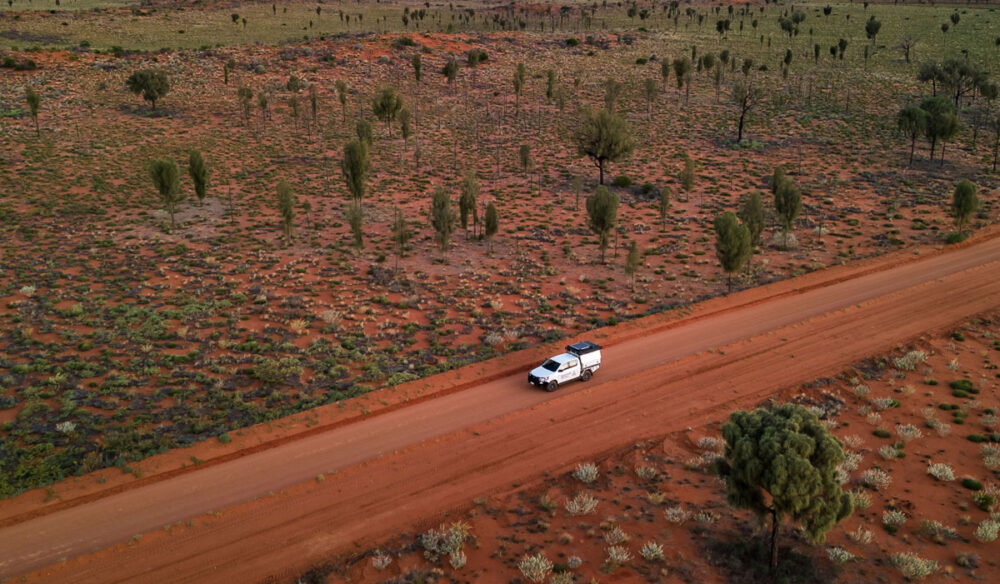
x=227, y=68
x=450, y=71
x=166, y=179
x=871, y=28
x=964, y=202
x=664, y=207
x=783, y=462
x=524, y=156
x=650, y=91
x=632, y=262
x=199, y=174
x=151, y=84
x=550, y=85
x=341, y=87
x=418, y=70
x=442, y=217
x=912, y=121
x=354, y=166
x=604, y=136
x=687, y=176
x=518, y=85
x=386, y=106
x=286, y=206
x=788, y=204
x=682, y=73
x=34, y=103
x=942, y=124
x=492, y=223
x=746, y=96
x=245, y=96
x=602, y=210
x=732, y=245
x=363, y=130
x=751, y=214
x=356, y=218
x=467, y=204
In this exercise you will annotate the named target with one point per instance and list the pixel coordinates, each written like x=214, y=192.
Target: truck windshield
x=550, y=365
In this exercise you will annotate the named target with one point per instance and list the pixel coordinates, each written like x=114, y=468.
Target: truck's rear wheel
x=586, y=375
x=552, y=386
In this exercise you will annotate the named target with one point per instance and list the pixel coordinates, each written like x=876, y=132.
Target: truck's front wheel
x=586, y=375
x=552, y=386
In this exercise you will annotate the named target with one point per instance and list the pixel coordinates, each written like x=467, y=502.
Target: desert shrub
x=908, y=432
x=618, y=555
x=381, y=560
x=985, y=501
x=615, y=536
x=622, y=181
x=851, y=461
x=893, y=519
x=875, y=478
x=225, y=438
x=862, y=500
x=963, y=385
x=651, y=551
x=909, y=361
x=676, y=515
x=941, y=472
x=988, y=531
x=445, y=541
x=271, y=372
x=860, y=535
x=839, y=554
x=991, y=456
x=585, y=472
x=972, y=484
x=712, y=444
x=860, y=390
x=582, y=504
x=884, y=403
x=937, y=531
x=535, y=567
x=574, y=562
x=880, y=433
x=645, y=473
x=913, y=566
x=888, y=452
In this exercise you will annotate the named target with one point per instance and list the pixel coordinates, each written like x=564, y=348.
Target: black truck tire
x=586, y=375
x=552, y=386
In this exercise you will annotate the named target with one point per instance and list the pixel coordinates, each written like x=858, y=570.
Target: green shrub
x=572, y=42
x=881, y=433
x=960, y=393
x=972, y=484
x=622, y=181
x=958, y=336
x=962, y=385
x=977, y=438
x=985, y=501
x=225, y=438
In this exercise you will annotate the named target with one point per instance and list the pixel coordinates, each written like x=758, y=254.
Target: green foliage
x=942, y=124
x=355, y=218
x=418, y=72
x=972, y=484
x=602, y=211
x=633, y=261
x=467, y=202
x=751, y=214
x=787, y=201
x=286, y=206
x=151, y=84
x=732, y=244
x=363, y=130
x=603, y=136
x=687, y=174
x=401, y=233
x=276, y=372
x=492, y=222
x=198, y=171
x=912, y=121
x=354, y=166
x=245, y=96
x=166, y=179
x=386, y=106
x=518, y=84
x=34, y=103
x=964, y=202
x=783, y=462
x=442, y=217
x=450, y=70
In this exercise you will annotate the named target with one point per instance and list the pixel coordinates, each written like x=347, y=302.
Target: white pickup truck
x=580, y=361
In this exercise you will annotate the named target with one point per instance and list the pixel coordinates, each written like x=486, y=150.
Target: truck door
x=569, y=371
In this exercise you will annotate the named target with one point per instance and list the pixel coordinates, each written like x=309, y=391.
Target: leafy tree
x=442, y=217
x=732, y=245
x=664, y=207
x=264, y=103
x=166, y=179
x=386, y=106
x=912, y=121
x=602, y=210
x=492, y=223
x=294, y=109
x=294, y=84
x=871, y=28
x=687, y=175
x=612, y=93
x=229, y=66
x=550, y=85
x=783, y=462
x=524, y=156
x=942, y=124
x=354, y=166
x=961, y=76
x=356, y=218
x=930, y=71
x=746, y=97
x=363, y=130
x=604, y=136
x=450, y=70
x=841, y=48
x=664, y=72
x=518, y=85
x=417, y=67
x=401, y=233
x=34, y=102
x=788, y=204
x=906, y=44
x=341, y=87
x=286, y=206
x=964, y=202
x=245, y=96
x=632, y=262
x=682, y=73
x=404, y=125
x=199, y=174
x=467, y=204
x=151, y=84
x=751, y=214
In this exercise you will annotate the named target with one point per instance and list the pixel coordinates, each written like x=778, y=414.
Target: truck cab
x=580, y=361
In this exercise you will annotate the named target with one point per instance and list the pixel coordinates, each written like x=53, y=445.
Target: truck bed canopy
x=583, y=347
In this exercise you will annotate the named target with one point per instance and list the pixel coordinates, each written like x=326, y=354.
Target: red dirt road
x=387, y=472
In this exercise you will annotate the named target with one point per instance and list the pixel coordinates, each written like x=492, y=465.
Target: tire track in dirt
x=643, y=391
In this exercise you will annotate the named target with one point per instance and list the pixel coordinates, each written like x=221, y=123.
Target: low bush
x=972, y=484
